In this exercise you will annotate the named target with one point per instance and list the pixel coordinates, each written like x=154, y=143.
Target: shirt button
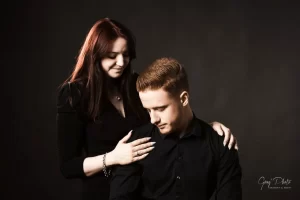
x=178, y=177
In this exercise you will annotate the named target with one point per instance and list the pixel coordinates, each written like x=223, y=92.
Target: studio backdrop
x=242, y=59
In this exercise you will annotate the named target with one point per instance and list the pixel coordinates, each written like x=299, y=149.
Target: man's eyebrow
x=157, y=107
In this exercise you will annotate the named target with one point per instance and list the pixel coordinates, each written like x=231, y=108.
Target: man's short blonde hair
x=166, y=73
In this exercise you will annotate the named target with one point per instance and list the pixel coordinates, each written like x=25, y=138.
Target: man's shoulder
x=203, y=124
x=213, y=139
x=145, y=130
x=205, y=128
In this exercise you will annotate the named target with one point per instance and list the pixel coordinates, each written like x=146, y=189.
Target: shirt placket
x=179, y=171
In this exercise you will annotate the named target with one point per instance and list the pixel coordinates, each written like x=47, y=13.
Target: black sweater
x=79, y=138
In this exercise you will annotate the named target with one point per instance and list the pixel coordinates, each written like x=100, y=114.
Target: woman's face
x=114, y=63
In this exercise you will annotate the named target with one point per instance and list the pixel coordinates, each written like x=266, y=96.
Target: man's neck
x=186, y=126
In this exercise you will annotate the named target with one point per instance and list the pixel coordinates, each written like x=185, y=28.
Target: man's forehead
x=153, y=93
x=154, y=98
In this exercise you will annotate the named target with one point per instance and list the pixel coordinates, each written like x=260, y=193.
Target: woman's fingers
x=236, y=145
x=231, y=142
x=217, y=127
x=140, y=157
x=143, y=146
x=143, y=151
x=126, y=137
x=140, y=141
x=227, y=135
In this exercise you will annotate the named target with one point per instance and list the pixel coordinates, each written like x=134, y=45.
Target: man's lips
x=161, y=126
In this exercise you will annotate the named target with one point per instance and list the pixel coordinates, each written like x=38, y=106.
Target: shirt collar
x=194, y=129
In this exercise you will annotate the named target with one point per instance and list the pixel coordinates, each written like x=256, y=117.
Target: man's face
x=164, y=109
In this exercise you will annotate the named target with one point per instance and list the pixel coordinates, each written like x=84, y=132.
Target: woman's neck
x=113, y=83
x=113, y=88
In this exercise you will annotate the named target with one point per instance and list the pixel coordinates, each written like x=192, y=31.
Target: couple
x=99, y=104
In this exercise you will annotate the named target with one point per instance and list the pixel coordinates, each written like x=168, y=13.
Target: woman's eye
x=112, y=56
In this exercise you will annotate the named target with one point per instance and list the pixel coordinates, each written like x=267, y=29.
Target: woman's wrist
x=110, y=159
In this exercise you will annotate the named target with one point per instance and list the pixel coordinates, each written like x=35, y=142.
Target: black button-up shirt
x=195, y=166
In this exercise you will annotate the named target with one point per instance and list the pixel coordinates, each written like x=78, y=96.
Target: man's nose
x=154, y=118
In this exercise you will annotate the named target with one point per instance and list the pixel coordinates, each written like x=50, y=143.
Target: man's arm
x=125, y=182
x=229, y=174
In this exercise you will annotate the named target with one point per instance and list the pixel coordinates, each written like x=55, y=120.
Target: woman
x=98, y=105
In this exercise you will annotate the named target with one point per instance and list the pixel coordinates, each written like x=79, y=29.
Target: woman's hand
x=221, y=129
x=126, y=153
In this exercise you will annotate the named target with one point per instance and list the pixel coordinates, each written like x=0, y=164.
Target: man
x=188, y=161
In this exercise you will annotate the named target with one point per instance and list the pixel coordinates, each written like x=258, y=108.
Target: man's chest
x=185, y=161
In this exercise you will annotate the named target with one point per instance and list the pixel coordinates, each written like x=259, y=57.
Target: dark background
x=242, y=61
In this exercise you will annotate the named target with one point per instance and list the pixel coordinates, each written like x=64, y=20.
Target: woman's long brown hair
x=88, y=70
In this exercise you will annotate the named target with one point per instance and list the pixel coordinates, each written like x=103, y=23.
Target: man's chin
x=164, y=131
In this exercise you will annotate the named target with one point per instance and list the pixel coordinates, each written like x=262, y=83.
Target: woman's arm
x=123, y=154
x=70, y=130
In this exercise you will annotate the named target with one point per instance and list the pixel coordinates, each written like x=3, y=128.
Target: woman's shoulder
x=135, y=75
x=134, y=78
x=69, y=95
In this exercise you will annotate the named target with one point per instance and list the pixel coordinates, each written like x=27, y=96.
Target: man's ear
x=184, y=98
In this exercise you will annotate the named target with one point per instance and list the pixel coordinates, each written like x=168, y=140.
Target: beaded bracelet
x=106, y=172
